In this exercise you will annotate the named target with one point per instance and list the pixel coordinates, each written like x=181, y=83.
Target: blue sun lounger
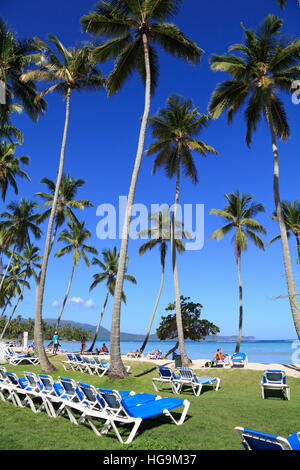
x=190, y=379
x=166, y=376
x=134, y=409
x=239, y=359
x=256, y=440
x=275, y=380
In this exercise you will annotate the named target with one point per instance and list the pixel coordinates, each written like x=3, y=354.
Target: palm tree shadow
x=146, y=372
x=151, y=370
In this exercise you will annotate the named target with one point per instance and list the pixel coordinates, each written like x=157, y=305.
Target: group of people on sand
x=103, y=350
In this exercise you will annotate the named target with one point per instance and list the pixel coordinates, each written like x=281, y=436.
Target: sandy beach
x=290, y=369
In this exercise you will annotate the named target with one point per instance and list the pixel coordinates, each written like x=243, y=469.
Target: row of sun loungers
x=11, y=357
x=83, y=402
x=90, y=364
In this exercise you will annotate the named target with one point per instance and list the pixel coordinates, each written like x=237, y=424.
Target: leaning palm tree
x=15, y=56
x=66, y=71
x=160, y=234
x=108, y=274
x=267, y=65
x=132, y=28
x=27, y=262
x=239, y=214
x=291, y=215
x=65, y=203
x=175, y=129
x=20, y=221
x=10, y=167
x=74, y=238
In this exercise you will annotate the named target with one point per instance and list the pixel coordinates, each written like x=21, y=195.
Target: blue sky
x=101, y=147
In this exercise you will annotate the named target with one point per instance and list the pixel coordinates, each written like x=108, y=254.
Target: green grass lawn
x=209, y=424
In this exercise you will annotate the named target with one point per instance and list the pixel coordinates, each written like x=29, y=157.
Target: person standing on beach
x=82, y=345
x=55, y=343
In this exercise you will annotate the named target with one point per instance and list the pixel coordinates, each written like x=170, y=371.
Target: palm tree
x=20, y=221
x=10, y=167
x=268, y=65
x=175, y=129
x=239, y=214
x=27, y=261
x=108, y=273
x=74, y=238
x=15, y=56
x=7, y=130
x=74, y=71
x=65, y=203
x=132, y=28
x=160, y=235
x=291, y=215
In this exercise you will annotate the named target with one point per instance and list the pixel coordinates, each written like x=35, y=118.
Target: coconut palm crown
x=124, y=24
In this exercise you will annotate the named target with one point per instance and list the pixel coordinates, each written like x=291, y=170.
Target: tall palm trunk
x=238, y=344
x=99, y=322
x=38, y=337
x=116, y=365
x=298, y=247
x=282, y=228
x=13, y=311
x=154, y=310
x=7, y=268
x=5, y=306
x=184, y=358
x=65, y=299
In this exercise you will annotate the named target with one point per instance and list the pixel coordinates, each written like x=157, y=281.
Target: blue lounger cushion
x=204, y=380
x=153, y=408
x=138, y=399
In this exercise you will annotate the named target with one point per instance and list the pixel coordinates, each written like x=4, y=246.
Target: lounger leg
x=71, y=416
x=186, y=405
x=218, y=384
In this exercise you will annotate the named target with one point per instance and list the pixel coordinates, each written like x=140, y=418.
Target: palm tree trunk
x=238, y=344
x=184, y=358
x=3, y=311
x=13, y=311
x=171, y=350
x=7, y=267
x=99, y=323
x=38, y=337
x=154, y=310
x=53, y=238
x=116, y=365
x=65, y=299
x=298, y=247
x=283, y=234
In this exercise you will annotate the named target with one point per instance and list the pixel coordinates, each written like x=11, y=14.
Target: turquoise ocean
x=279, y=351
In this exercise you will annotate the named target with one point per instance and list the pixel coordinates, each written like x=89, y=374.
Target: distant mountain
x=104, y=334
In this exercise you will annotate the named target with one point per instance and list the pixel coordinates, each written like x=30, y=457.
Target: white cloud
x=90, y=304
x=75, y=301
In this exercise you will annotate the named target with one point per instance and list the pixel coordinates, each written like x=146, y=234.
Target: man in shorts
x=55, y=343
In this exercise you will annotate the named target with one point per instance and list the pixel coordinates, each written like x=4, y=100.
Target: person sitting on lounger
x=219, y=356
x=138, y=351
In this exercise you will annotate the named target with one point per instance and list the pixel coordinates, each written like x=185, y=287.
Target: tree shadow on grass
x=146, y=372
